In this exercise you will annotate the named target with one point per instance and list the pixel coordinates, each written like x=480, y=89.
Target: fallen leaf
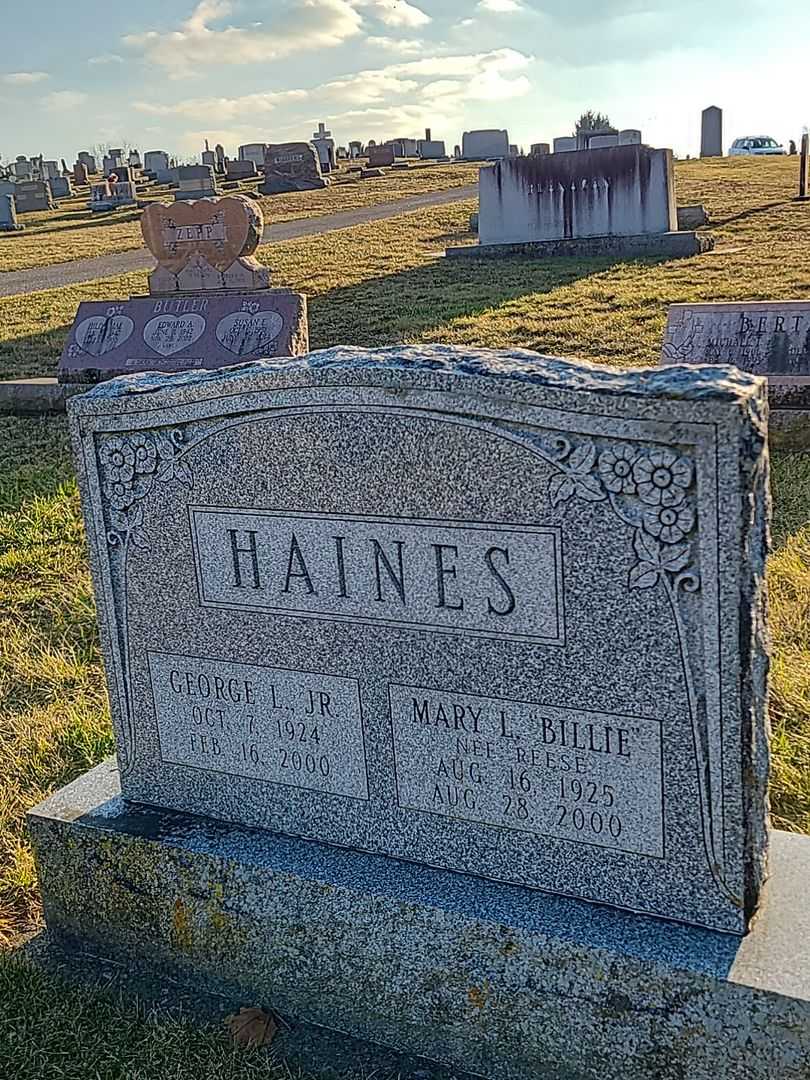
x=251, y=1027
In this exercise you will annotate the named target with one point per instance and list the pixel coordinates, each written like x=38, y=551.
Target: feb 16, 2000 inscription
x=289, y=727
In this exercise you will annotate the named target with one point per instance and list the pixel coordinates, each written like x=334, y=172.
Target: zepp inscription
x=491, y=580
x=594, y=778
x=295, y=728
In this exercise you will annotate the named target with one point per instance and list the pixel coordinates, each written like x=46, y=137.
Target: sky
x=167, y=74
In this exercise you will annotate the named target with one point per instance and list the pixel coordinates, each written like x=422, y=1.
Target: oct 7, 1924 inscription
x=484, y=621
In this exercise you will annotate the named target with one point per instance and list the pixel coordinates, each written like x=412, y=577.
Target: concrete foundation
x=499, y=980
x=668, y=245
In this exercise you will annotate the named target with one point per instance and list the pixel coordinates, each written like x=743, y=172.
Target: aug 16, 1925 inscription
x=592, y=778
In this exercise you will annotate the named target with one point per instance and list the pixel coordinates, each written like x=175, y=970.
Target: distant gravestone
x=768, y=338
x=8, y=214
x=32, y=196
x=210, y=304
x=196, y=182
x=241, y=170
x=380, y=156
x=88, y=161
x=291, y=167
x=711, y=132
x=480, y=145
x=61, y=187
x=540, y=148
x=629, y=137
x=81, y=175
x=617, y=199
x=564, y=143
x=156, y=161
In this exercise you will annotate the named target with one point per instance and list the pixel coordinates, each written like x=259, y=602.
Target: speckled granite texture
x=490, y=612
x=485, y=977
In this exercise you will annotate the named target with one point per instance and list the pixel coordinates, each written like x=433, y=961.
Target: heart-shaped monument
x=244, y=334
x=168, y=334
x=102, y=333
x=221, y=230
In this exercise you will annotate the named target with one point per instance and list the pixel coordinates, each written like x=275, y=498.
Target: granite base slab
x=673, y=245
x=463, y=971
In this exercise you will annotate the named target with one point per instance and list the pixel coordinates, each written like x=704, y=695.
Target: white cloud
x=295, y=25
x=431, y=89
x=404, y=46
x=64, y=100
x=501, y=7
x=395, y=12
x=106, y=58
x=23, y=78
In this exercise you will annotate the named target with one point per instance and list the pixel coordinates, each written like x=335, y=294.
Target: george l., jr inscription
x=287, y=727
x=483, y=612
x=493, y=580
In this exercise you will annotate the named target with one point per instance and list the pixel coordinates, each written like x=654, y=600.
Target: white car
x=759, y=145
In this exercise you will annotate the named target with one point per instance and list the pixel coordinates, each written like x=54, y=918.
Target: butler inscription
x=591, y=778
x=493, y=613
x=461, y=577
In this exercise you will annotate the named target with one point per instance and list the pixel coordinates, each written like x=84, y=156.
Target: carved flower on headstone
x=669, y=524
x=662, y=478
x=118, y=458
x=145, y=453
x=616, y=469
x=119, y=494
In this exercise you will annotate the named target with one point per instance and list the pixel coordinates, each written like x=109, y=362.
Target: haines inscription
x=289, y=727
x=493, y=580
x=593, y=778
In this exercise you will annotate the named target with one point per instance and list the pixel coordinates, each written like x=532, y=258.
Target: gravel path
x=17, y=282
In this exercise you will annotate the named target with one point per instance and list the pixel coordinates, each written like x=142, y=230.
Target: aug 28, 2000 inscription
x=593, y=778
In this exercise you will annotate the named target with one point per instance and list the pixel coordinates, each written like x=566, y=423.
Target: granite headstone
x=8, y=215
x=532, y=653
x=291, y=167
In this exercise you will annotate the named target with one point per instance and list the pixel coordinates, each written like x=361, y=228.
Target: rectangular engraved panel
x=296, y=728
x=594, y=778
x=490, y=580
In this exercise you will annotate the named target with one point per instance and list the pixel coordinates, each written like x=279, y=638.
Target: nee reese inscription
x=591, y=778
x=492, y=580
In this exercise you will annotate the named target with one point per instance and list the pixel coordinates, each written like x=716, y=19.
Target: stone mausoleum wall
x=617, y=191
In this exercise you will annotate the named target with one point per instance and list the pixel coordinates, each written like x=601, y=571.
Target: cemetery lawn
x=74, y=232
x=370, y=285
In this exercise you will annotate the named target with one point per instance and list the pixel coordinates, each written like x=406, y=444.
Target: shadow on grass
x=717, y=223
x=406, y=306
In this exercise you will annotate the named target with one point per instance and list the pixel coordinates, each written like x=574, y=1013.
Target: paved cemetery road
x=17, y=282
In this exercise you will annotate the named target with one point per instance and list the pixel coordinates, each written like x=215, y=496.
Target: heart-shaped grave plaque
x=101, y=334
x=220, y=230
x=169, y=334
x=245, y=334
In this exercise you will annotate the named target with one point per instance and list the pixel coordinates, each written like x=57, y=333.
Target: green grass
x=73, y=232
x=52, y=1031
x=369, y=285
